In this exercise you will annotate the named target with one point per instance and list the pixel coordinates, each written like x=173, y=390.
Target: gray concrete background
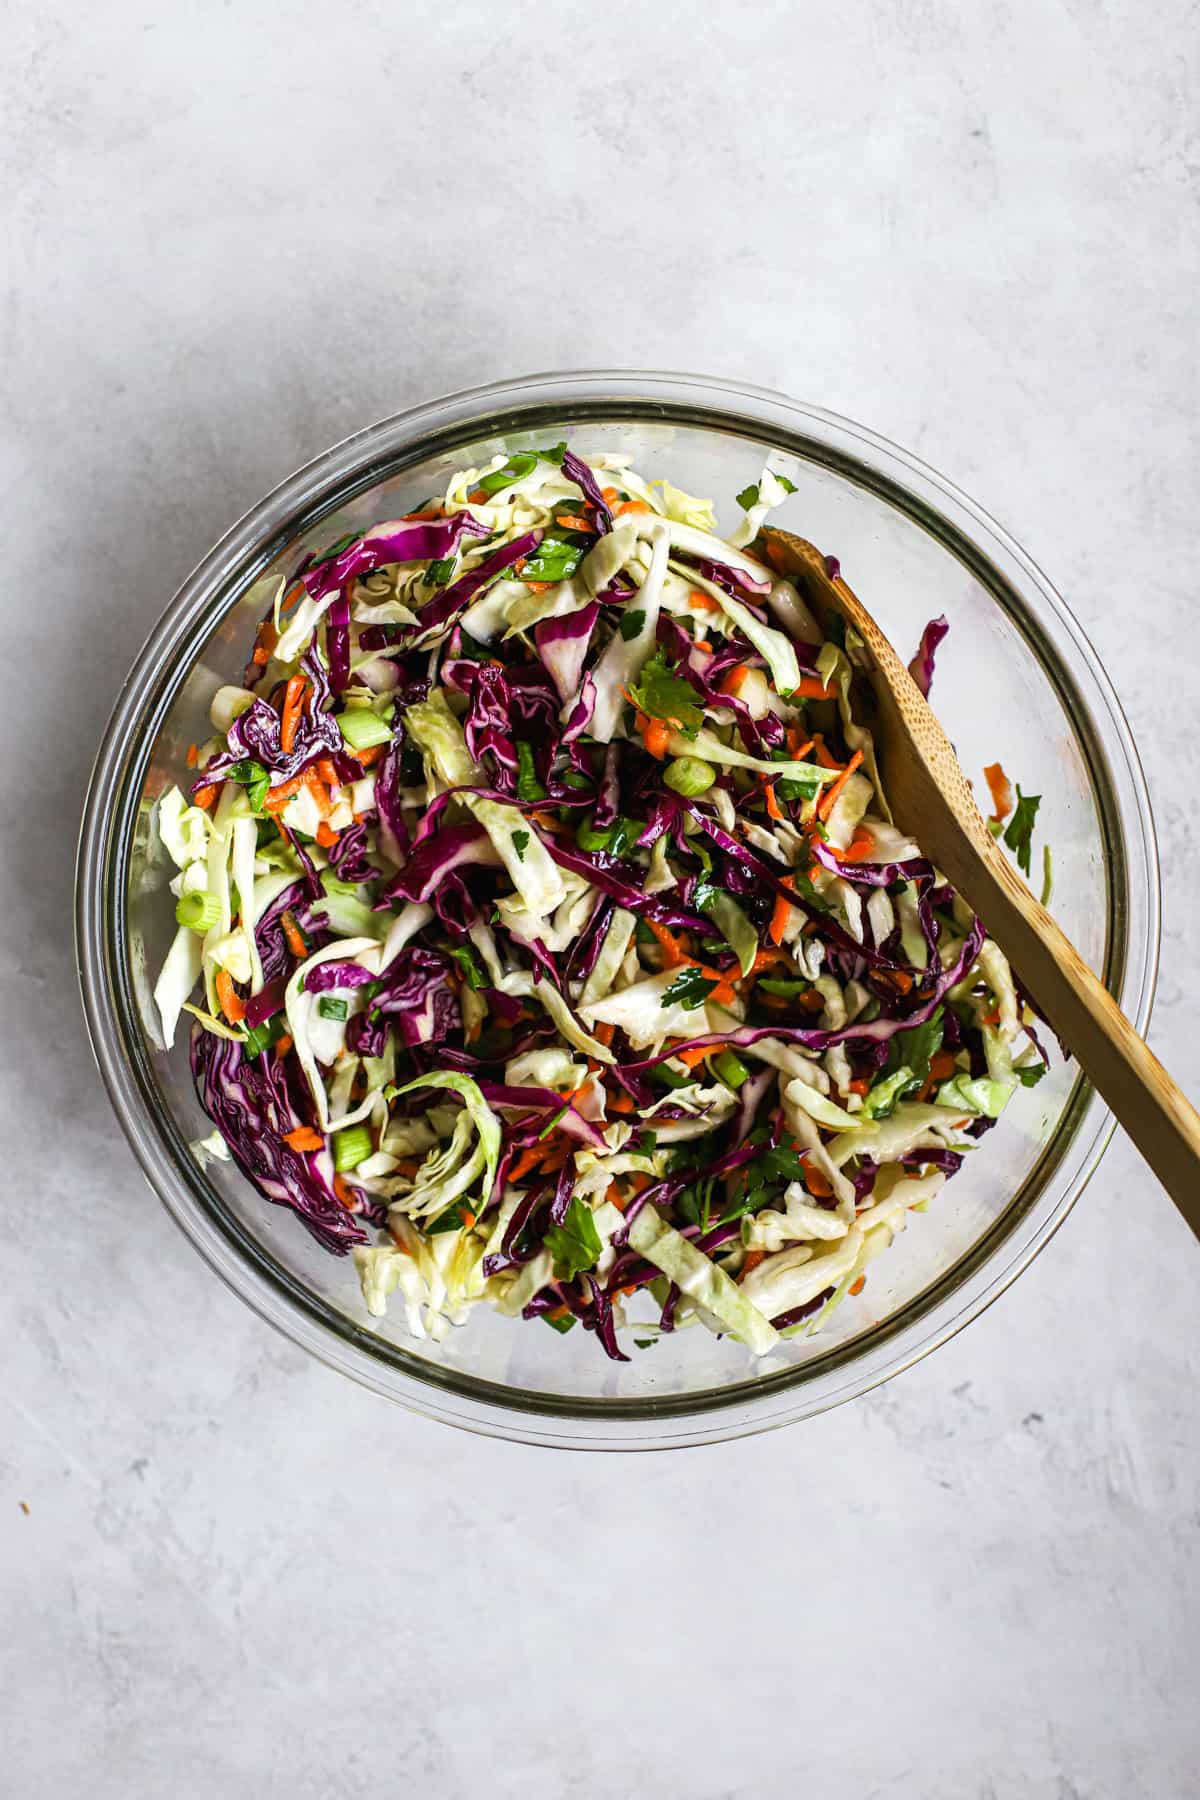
x=235, y=233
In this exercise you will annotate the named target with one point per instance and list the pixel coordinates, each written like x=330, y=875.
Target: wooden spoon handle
x=1157, y=1115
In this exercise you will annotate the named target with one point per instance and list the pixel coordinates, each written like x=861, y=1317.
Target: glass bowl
x=1016, y=680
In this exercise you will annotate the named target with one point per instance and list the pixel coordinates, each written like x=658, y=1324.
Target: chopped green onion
x=363, y=729
x=330, y=1007
x=528, y=785
x=688, y=776
x=590, y=837
x=261, y=1037
x=516, y=469
x=198, y=911
x=468, y=962
x=731, y=1069
x=350, y=1147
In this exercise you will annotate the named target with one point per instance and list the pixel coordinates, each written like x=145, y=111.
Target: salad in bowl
x=544, y=937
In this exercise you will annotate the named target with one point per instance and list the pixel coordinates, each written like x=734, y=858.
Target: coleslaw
x=543, y=933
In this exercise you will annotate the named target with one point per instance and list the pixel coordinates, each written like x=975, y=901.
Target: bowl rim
x=320, y=487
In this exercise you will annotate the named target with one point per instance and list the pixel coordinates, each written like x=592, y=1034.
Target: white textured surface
x=239, y=232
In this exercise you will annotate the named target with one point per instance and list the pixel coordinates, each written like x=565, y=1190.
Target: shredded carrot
x=861, y=847
x=228, y=998
x=701, y=644
x=674, y=949
x=858, y=1286
x=327, y=837
x=781, y=914
x=823, y=757
x=304, y=1138
x=942, y=1066
x=794, y=744
x=812, y=1002
x=341, y=1188
x=614, y=1197
x=829, y=799
x=603, y=1034
x=369, y=757
x=704, y=602
x=193, y=756
x=539, y=587
x=813, y=688
x=770, y=958
x=623, y=1293
x=316, y=787
x=573, y=522
x=610, y=496
x=477, y=495
x=692, y=1058
x=205, y=796
x=861, y=1086
x=753, y=1258
x=620, y=1102
x=656, y=735
x=1001, y=791
x=817, y=1184
x=284, y=1044
x=290, y=718
x=292, y=932
x=774, y=810
x=328, y=773
x=992, y=1017
x=733, y=682
x=277, y=797
x=468, y=1220
x=431, y=512
x=259, y=657
x=630, y=506
x=528, y=1159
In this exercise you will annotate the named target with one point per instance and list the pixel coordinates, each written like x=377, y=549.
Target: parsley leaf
x=915, y=1049
x=520, y=843
x=575, y=1244
x=554, y=455
x=661, y=694
x=690, y=989
x=554, y=559
x=749, y=495
x=1019, y=830
x=438, y=572
x=631, y=624
x=1030, y=1075
x=254, y=778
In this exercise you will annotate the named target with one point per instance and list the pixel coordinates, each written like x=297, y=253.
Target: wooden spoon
x=932, y=800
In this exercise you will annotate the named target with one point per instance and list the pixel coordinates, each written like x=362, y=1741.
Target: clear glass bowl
x=1017, y=680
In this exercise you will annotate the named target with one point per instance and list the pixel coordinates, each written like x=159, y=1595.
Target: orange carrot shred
x=830, y=799
x=230, y=1001
x=327, y=837
x=304, y=1138
x=292, y=932
x=290, y=717
x=205, y=796
x=1001, y=791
